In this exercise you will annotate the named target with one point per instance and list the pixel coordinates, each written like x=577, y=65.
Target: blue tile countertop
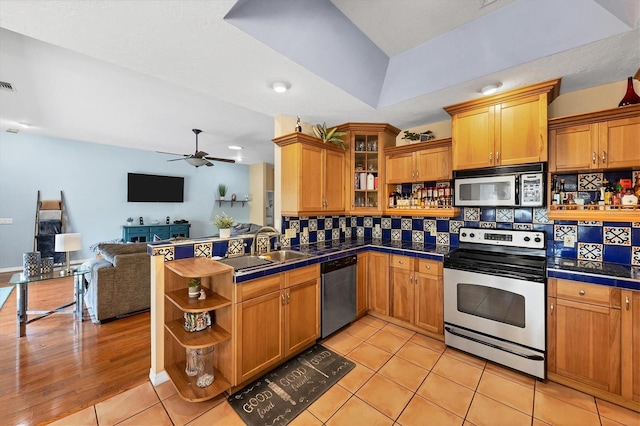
x=330, y=250
x=611, y=274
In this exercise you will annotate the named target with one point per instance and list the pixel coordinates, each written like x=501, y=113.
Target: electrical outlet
x=305, y=232
x=6, y=221
x=377, y=227
x=432, y=231
x=290, y=233
x=344, y=228
x=569, y=241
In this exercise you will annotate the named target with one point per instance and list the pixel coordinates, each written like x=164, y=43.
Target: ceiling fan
x=199, y=158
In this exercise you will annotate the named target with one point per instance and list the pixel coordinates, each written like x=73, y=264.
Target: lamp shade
x=68, y=242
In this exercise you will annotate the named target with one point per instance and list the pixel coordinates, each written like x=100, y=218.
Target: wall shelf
x=232, y=202
x=433, y=212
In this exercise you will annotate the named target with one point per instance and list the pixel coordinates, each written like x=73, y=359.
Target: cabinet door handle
x=581, y=292
x=497, y=155
x=417, y=173
x=427, y=266
x=604, y=157
x=401, y=261
x=594, y=157
x=282, y=299
x=626, y=301
x=552, y=309
x=288, y=297
x=491, y=156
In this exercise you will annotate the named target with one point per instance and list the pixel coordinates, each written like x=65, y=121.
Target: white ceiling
x=143, y=73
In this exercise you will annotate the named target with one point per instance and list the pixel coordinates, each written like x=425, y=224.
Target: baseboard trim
x=158, y=378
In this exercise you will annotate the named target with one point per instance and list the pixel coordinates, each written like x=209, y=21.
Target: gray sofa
x=119, y=283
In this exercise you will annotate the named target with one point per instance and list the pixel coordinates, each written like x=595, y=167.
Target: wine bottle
x=298, y=126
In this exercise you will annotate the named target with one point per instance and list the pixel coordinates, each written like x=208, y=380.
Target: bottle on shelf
x=370, y=181
x=636, y=187
x=562, y=195
x=608, y=192
x=555, y=193
x=298, y=126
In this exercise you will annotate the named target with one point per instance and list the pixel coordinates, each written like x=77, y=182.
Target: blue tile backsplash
x=617, y=242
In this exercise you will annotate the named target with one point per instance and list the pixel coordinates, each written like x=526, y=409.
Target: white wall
x=93, y=178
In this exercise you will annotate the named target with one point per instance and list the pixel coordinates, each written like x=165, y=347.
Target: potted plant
x=222, y=190
x=410, y=136
x=329, y=135
x=194, y=287
x=223, y=222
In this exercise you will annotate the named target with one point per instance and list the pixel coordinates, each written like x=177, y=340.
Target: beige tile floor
x=400, y=378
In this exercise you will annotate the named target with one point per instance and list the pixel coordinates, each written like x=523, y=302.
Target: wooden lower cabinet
x=593, y=340
x=260, y=334
x=630, y=312
x=276, y=317
x=362, y=284
x=302, y=316
x=378, y=280
x=417, y=292
x=429, y=296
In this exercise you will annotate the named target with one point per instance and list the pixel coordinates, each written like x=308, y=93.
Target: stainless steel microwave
x=505, y=186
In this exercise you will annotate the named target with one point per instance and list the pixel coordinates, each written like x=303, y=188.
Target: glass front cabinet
x=367, y=142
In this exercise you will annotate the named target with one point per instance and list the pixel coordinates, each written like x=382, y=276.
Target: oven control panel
x=503, y=237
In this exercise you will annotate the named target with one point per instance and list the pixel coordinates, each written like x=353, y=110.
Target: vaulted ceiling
x=142, y=74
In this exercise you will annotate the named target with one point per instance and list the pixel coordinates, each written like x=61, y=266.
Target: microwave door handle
x=517, y=190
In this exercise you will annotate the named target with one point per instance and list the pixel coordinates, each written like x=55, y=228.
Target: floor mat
x=280, y=395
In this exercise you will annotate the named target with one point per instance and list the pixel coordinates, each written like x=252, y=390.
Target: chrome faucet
x=271, y=230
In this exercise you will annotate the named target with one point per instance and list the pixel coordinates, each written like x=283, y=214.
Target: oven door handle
x=531, y=357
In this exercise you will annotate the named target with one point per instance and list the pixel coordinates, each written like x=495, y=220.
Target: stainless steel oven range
x=495, y=297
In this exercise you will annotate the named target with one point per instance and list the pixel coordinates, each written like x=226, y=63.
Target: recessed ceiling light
x=236, y=147
x=490, y=89
x=280, y=86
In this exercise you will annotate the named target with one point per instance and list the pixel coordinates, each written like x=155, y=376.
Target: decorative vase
x=31, y=263
x=47, y=265
x=225, y=232
x=631, y=97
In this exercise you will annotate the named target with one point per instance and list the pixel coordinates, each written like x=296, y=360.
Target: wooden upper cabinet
x=367, y=144
x=312, y=176
x=619, y=143
x=420, y=162
x=504, y=129
x=608, y=139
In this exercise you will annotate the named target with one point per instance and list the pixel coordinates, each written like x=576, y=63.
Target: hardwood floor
x=61, y=365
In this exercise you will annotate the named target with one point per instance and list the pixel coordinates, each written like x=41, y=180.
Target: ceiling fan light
x=280, y=86
x=490, y=89
x=196, y=161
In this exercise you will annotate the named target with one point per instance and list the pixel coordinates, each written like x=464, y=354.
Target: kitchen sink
x=246, y=262
x=283, y=255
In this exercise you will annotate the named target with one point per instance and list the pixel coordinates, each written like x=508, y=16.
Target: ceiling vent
x=6, y=86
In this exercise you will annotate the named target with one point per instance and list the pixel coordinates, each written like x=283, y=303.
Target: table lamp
x=68, y=243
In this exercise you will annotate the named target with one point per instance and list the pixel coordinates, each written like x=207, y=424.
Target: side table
x=22, y=281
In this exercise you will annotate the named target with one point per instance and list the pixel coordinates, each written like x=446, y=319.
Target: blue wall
x=93, y=178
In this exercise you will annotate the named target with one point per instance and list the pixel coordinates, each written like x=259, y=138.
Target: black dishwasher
x=338, y=288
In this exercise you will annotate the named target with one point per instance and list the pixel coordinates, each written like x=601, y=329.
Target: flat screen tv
x=154, y=188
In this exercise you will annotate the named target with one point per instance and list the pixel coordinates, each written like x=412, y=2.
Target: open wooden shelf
x=181, y=299
x=431, y=212
x=216, y=279
x=187, y=388
x=589, y=213
x=210, y=336
x=196, y=267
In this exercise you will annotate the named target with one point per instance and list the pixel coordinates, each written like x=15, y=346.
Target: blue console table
x=145, y=233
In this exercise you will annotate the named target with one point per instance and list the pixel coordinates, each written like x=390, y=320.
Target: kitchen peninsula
x=263, y=282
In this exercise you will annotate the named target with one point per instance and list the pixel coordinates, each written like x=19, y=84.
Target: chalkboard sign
x=279, y=396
